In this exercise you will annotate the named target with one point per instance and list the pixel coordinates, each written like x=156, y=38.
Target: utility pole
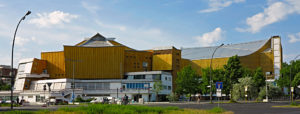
x=73, y=75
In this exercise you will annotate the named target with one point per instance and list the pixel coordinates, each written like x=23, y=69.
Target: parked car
x=98, y=100
x=2, y=101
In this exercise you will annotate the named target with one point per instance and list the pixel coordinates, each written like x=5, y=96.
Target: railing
x=270, y=76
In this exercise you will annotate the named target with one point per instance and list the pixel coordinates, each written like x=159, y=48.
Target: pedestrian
x=199, y=98
x=18, y=100
x=126, y=99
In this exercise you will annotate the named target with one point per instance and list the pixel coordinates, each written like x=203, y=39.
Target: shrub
x=294, y=104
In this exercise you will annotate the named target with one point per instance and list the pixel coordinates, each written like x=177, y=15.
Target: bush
x=294, y=104
x=172, y=97
x=79, y=99
x=273, y=92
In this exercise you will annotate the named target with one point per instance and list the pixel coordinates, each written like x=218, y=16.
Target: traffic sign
x=219, y=92
x=219, y=85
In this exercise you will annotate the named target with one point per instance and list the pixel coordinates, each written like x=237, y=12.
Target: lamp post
x=12, y=60
x=291, y=97
x=210, y=71
x=73, y=81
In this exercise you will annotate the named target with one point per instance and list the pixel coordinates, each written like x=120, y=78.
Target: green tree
x=296, y=80
x=4, y=86
x=259, y=78
x=187, y=81
x=157, y=88
x=204, y=81
x=238, y=92
x=287, y=71
x=233, y=71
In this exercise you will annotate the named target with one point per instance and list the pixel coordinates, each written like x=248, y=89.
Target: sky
x=145, y=24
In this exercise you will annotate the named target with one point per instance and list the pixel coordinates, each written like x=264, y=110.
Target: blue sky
x=144, y=24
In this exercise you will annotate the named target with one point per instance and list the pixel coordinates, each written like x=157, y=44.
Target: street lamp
x=212, y=56
x=291, y=97
x=12, y=60
x=73, y=74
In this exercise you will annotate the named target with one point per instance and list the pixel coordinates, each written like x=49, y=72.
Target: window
x=156, y=77
x=139, y=77
x=169, y=88
x=166, y=78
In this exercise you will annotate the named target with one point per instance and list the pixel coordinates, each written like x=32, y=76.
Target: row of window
x=137, y=85
x=93, y=86
x=135, y=57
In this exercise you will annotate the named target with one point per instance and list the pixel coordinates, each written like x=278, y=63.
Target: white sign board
x=219, y=92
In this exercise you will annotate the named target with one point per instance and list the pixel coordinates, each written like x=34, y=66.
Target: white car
x=98, y=100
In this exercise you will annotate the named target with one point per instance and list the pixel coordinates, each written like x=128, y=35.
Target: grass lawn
x=8, y=105
x=122, y=109
x=286, y=106
x=292, y=105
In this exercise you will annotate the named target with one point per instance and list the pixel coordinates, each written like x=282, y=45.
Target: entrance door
x=136, y=97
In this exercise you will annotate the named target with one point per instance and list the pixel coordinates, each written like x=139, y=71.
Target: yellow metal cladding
x=134, y=61
x=162, y=62
x=95, y=62
x=261, y=58
x=218, y=63
x=55, y=63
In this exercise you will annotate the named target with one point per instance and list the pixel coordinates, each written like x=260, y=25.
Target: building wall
x=55, y=64
x=162, y=61
x=95, y=62
x=134, y=61
x=38, y=66
x=259, y=58
x=167, y=60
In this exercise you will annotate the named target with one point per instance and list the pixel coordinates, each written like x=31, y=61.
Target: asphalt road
x=240, y=108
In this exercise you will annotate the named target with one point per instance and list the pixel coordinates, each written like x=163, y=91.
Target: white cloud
x=53, y=18
x=20, y=41
x=89, y=7
x=210, y=38
x=216, y=5
x=294, y=37
x=275, y=12
x=110, y=26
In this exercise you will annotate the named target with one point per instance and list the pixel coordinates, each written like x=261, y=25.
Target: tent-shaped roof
x=241, y=49
x=96, y=41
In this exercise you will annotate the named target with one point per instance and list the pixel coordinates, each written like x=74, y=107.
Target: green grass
x=8, y=105
x=294, y=104
x=217, y=110
x=121, y=109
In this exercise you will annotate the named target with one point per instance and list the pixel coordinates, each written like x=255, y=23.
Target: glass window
x=139, y=77
x=156, y=77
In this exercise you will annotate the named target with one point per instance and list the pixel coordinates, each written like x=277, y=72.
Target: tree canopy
x=187, y=81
